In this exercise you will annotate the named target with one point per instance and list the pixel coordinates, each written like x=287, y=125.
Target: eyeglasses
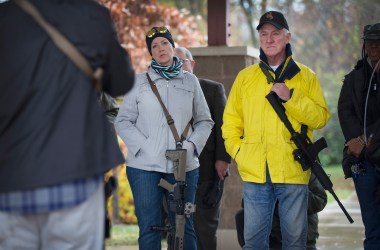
x=154, y=31
x=185, y=60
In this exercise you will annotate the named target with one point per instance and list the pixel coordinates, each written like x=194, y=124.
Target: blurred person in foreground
x=260, y=143
x=55, y=141
x=143, y=126
x=359, y=117
x=213, y=161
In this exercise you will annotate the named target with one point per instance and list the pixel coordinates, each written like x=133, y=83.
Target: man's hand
x=281, y=90
x=221, y=168
x=355, y=146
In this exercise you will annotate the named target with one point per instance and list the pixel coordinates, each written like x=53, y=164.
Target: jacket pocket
x=143, y=149
x=184, y=89
x=249, y=152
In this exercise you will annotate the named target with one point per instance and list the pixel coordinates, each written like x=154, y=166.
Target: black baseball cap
x=371, y=32
x=275, y=18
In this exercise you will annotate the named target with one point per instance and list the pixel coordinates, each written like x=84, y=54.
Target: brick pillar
x=222, y=64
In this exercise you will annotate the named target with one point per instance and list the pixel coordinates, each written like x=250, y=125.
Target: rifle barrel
x=341, y=206
x=326, y=183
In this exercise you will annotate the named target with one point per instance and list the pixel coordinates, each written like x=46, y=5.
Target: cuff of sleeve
x=195, y=148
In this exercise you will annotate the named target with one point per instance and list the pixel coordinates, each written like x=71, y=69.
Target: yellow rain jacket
x=254, y=134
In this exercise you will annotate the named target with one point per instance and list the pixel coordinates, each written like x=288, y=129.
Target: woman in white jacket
x=142, y=125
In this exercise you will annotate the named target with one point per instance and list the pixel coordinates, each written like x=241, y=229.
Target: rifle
x=178, y=156
x=307, y=152
x=177, y=205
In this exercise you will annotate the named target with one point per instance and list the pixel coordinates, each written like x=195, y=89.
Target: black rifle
x=307, y=152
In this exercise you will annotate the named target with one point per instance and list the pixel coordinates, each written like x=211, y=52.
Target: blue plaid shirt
x=51, y=198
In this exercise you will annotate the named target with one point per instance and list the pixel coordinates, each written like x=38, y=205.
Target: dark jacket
x=316, y=203
x=351, y=107
x=52, y=128
x=110, y=106
x=214, y=150
x=352, y=101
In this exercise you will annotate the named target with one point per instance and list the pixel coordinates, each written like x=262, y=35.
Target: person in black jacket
x=55, y=141
x=213, y=161
x=111, y=108
x=317, y=200
x=359, y=116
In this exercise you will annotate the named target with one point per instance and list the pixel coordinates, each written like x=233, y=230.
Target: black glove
x=213, y=197
x=347, y=162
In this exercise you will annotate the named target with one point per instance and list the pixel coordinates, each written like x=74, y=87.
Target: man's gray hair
x=186, y=52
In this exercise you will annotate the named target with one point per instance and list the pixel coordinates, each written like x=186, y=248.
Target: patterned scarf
x=167, y=72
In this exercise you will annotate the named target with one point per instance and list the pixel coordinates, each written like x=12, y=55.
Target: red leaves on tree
x=134, y=18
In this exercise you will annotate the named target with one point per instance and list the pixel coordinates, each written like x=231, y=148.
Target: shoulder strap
x=269, y=77
x=304, y=130
x=64, y=44
x=168, y=116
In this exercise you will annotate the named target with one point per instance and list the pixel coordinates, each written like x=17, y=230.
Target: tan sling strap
x=64, y=44
x=169, y=118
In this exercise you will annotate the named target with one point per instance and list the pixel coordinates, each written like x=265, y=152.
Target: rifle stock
x=307, y=152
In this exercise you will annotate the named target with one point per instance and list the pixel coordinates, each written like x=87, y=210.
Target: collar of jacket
x=155, y=76
x=286, y=71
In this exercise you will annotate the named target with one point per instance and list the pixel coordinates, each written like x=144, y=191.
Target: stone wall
x=222, y=64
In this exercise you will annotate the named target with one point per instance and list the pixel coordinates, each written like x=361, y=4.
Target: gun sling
x=169, y=118
x=63, y=44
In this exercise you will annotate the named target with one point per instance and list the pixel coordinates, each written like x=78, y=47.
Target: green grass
x=123, y=235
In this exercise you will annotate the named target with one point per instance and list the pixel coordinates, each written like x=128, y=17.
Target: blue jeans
x=259, y=203
x=148, y=196
x=370, y=210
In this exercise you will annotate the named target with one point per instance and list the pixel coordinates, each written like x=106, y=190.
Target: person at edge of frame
x=55, y=140
x=359, y=117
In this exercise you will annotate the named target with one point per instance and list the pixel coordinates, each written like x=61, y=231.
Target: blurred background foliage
x=134, y=18
x=326, y=36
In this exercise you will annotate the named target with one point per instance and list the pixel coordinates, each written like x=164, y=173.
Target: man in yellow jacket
x=260, y=143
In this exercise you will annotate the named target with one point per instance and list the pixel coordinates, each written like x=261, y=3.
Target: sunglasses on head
x=154, y=31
